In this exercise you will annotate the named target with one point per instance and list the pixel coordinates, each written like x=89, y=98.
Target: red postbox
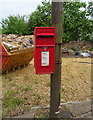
x=44, y=57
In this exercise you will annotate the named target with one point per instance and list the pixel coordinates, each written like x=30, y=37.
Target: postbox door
x=44, y=59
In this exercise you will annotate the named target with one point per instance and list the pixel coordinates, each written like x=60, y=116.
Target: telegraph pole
x=57, y=8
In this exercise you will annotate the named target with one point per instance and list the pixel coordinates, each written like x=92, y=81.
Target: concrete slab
x=79, y=108
x=67, y=110
x=87, y=115
x=29, y=114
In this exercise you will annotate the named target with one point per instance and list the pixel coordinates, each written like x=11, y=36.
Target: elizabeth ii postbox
x=44, y=56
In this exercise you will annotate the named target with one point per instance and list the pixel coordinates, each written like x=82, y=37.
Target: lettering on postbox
x=44, y=57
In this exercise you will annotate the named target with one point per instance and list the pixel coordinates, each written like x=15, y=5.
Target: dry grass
x=24, y=89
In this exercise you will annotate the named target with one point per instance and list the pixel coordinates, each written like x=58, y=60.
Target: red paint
x=4, y=57
x=44, y=57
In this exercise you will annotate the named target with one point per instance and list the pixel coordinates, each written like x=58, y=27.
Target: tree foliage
x=77, y=24
x=90, y=10
x=14, y=25
x=41, y=17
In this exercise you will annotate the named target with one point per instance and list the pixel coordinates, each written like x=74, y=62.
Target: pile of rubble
x=14, y=42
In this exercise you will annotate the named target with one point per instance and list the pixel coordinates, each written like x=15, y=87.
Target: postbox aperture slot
x=45, y=35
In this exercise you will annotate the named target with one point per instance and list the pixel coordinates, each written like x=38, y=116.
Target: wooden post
x=56, y=77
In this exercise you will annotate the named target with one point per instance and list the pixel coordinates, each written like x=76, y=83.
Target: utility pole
x=57, y=8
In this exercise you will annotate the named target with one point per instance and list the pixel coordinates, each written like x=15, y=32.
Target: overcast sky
x=20, y=7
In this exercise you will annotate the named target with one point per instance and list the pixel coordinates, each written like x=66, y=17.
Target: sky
x=18, y=7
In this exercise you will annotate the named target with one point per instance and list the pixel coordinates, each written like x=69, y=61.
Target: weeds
x=37, y=96
x=0, y=113
x=9, y=94
x=76, y=49
x=27, y=88
x=10, y=100
x=62, y=89
x=14, y=102
x=35, y=82
x=90, y=49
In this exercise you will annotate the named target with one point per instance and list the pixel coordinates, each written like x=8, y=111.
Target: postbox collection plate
x=45, y=58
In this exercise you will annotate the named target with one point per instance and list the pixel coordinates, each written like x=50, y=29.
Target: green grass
x=0, y=31
x=27, y=88
x=11, y=100
x=9, y=106
x=62, y=89
x=0, y=113
x=74, y=48
x=90, y=49
x=37, y=96
x=36, y=82
x=9, y=94
x=15, y=102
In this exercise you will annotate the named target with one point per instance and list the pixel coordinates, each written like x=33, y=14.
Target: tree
x=89, y=14
x=14, y=25
x=90, y=10
x=76, y=25
x=41, y=17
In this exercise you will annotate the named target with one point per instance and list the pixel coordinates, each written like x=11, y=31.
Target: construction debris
x=85, y=54
x=16, y=51
x=15, y=42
